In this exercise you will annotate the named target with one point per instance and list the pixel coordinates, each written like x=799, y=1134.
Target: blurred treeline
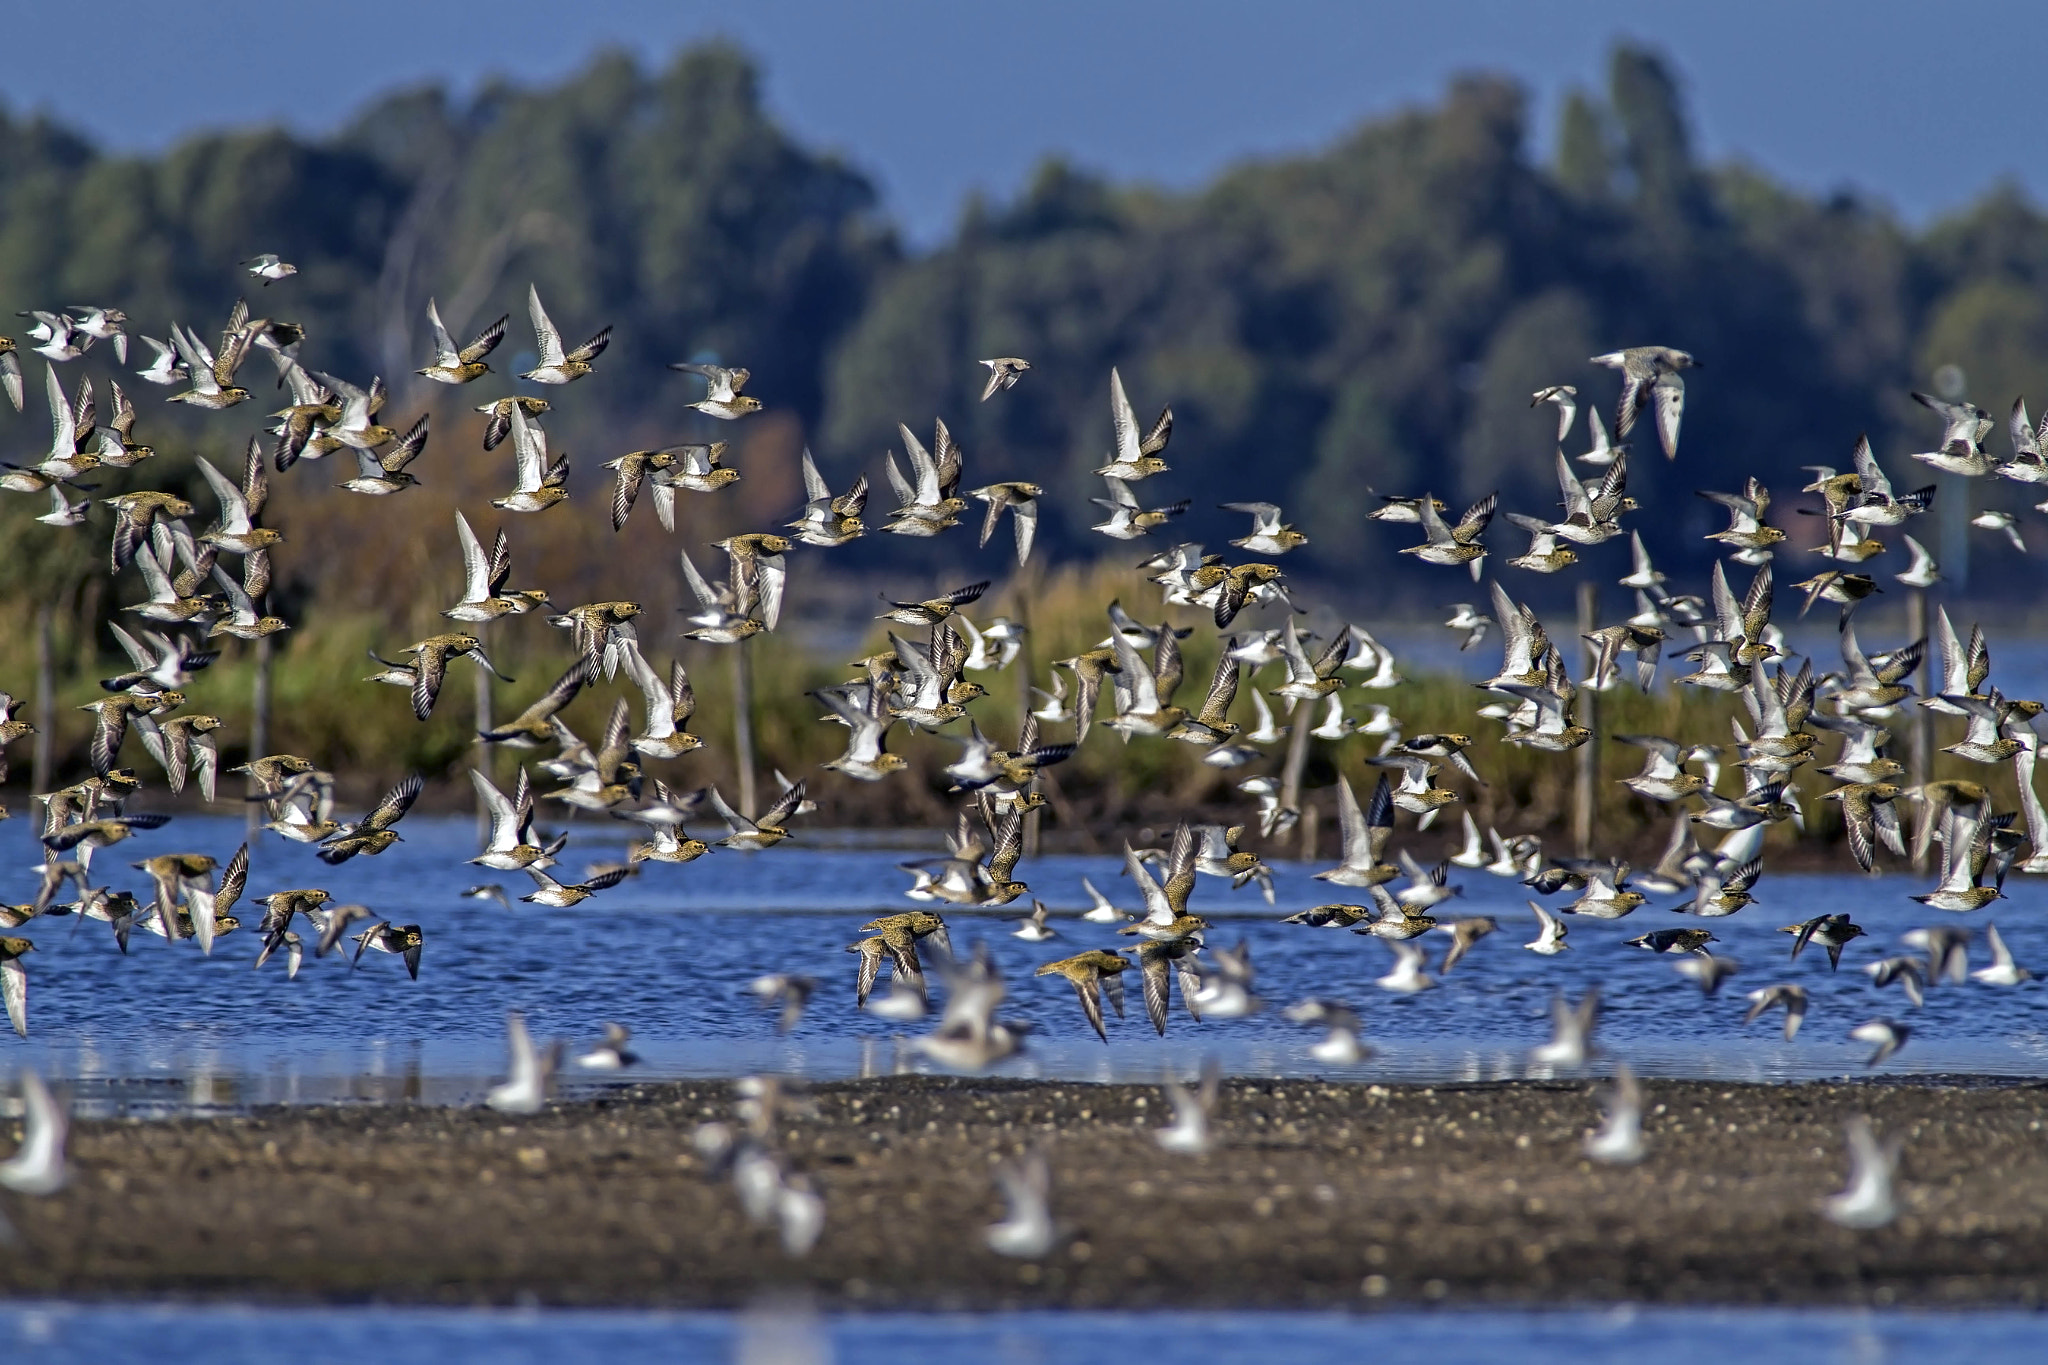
x=1373, y=316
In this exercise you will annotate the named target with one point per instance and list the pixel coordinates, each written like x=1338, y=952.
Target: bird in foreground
x=1027, y=1231
x=10, y=373
x=1033, y=928
x=1188, y=1134
x=1619, y=1139
x=1137, y=455
x=1100, y=910
x=1444, y=544
x=2003, y=971
x=184, y=745
x=1964, y=427
x=1340, y=1044
x=1866, y=1202
x=790, y=993
x=898, y=947
x=381, y=474
x=270, y=268
x=1128, y=518
x=1883, y=1035
x=556, y=365
x=1464, y=933
x=14, y=981
x=538, y=483
x=488, y=891
x=430, y=666
x=511, y=845
x=1022, y=500
x=1948, y=951
x=933, y=610
x=532, y=1070
x=751, y=835
x=1226, y=991
x=1649, y=376
x=1832, y=932
x=722, y=397
x=1003, y=373
x=1792, y=998
x=1092, y=975
x=1468, y=618
x=612, y=1054
x=2001, y=521
x=459, y=365
x=1410, y=973
x=400, y=940
x=547, y=891
x=38, y=1167
x=500, y=410
x=1909, y=972
x=1571, y=1038
x=1706, y=971
x=969, y=1037
x=1269, y=535
x=1550, y=933
x=1566, y=399
x=484, y=596
x=1674, y=941
x=1923, y=572
x=374, y=833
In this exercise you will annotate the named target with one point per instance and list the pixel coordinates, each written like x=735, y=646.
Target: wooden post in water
x=743, y=724
x=1290, y=776
x=1921, y=753
x=484, y=724
x=259, y=723
x=46, y=698
x=1025, y=583
x=1585, y=794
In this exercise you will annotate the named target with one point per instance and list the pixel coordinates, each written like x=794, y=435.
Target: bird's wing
x=445, y=352
x=1024, y=522
x=63, y=426
x=529, y=452
x=593, y=348
x=234, y=509
x=475, y=569
x=1668, y=394
x=548, y=339
x=396, y=803
x=14, y=986
x=734, y=821
x=1123, y=421
x=815, y=487
x=486, y=341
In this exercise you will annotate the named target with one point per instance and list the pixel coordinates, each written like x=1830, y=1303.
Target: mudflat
x=1317, y=1194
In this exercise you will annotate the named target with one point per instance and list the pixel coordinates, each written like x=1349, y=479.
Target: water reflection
x=163, y=1030
x=787, y=1333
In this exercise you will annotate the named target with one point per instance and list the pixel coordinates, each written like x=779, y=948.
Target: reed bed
x=1108, y=792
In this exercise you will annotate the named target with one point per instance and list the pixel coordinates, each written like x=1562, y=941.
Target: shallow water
x=668, y=954
x=60, y=1333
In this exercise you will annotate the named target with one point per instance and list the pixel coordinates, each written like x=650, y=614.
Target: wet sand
x=1319, y=1195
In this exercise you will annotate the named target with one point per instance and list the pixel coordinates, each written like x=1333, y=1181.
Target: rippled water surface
x=58, y=1334
x=668, y=953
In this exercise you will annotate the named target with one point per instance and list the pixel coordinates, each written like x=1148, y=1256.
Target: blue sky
x=1923, y=106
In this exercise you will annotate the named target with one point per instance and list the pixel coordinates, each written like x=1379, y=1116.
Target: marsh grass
x=366, y=733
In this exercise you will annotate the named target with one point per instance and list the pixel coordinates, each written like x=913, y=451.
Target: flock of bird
x=197, y=586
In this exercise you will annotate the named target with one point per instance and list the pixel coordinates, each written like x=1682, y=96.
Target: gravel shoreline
x=1319, y=1195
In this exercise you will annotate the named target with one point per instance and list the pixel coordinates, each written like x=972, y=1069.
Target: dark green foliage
x=665, y=204
x=1370, y=318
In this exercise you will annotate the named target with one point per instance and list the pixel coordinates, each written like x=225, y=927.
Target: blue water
x=668, y=954
x=57, y=1334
